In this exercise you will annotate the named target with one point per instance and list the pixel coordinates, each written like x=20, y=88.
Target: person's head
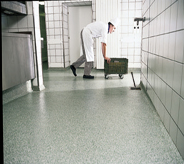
x=111, y=27
x=113, y=23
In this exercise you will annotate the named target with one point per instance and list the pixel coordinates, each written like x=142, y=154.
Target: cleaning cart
x=116, y=66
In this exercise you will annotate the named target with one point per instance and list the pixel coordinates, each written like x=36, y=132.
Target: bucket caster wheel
x=121, y=76
x=106, y=76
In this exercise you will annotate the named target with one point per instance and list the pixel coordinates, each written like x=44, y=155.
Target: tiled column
x=130, y=37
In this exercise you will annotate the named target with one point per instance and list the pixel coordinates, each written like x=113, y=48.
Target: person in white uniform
x=93, y=30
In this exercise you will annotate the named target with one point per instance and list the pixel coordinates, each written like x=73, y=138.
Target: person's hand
x=108, y=60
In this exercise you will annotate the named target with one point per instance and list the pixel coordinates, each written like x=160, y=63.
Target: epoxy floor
x=77, y=121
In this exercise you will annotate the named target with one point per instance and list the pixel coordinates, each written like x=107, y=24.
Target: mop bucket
x=116, y=66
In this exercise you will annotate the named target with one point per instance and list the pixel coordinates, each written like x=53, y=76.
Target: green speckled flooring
x=76, y=121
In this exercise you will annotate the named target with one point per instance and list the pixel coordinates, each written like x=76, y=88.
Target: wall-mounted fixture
x=137, y=20
x=13, y=7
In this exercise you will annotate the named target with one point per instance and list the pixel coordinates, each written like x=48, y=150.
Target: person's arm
x=104, y=52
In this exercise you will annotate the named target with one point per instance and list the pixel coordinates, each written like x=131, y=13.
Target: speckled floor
x=76, y=121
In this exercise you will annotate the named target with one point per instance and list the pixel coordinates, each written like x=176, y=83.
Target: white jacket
x=93, y=30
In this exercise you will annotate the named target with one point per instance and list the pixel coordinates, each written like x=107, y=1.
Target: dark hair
x=110, y=24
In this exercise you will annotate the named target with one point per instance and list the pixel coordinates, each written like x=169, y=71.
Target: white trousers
x=88, y=65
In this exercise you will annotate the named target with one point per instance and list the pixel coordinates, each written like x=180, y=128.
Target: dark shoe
x=88, y=77
x=73, y=70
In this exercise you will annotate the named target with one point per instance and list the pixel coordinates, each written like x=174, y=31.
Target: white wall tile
x=145, y=31
x=51, y=25
x=175, y=106
x=137, y=51
x=173, y=130
x=171, y=50
x=59, y=52
x=169, y=72
x=138, y=5
x=131, y=13
x=66, y=45
x=167, y=120
x=65, y=25
x=173, y=18
x=162, y=23
x=138, y=13
x=56, y=9
x=50, y=17
x=167, y=20
x=145, y=7
x=131, y=6
x=155, y=8
x=124, y=6
x=182, y=83
x=51, y=46
x=181, y=115
x=166, y=45
x=180, y=141
x=136, y=65
x=163, y=92
x=50, y=3
x=161, y=46
x=125, y=21
x=159, y=6
x=59, y=46
x=50, y=10
x=168, y=98
x=57, y=17
x=137, y=59
x=51, y=31
x=125, y=29
x=125, y=14
x=55, y=3
x=180, y=20
x=56, y=24
x=144, y=71
x=52, y=52
x=177, y=77
x=57, y=31
x=167, y=3
x=58, y=59
x=179, y=50
x=53, y=59
x=164, y=68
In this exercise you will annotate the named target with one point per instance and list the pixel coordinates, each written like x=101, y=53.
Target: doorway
x=43, y=36
x=79, y=17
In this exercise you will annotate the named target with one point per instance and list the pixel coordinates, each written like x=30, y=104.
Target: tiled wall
x=162, y=72
x=130, y=37
x=28, y=23
x=54, y=17
x=57, y=33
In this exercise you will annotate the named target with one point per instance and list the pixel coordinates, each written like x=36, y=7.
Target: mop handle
x=133, y=79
